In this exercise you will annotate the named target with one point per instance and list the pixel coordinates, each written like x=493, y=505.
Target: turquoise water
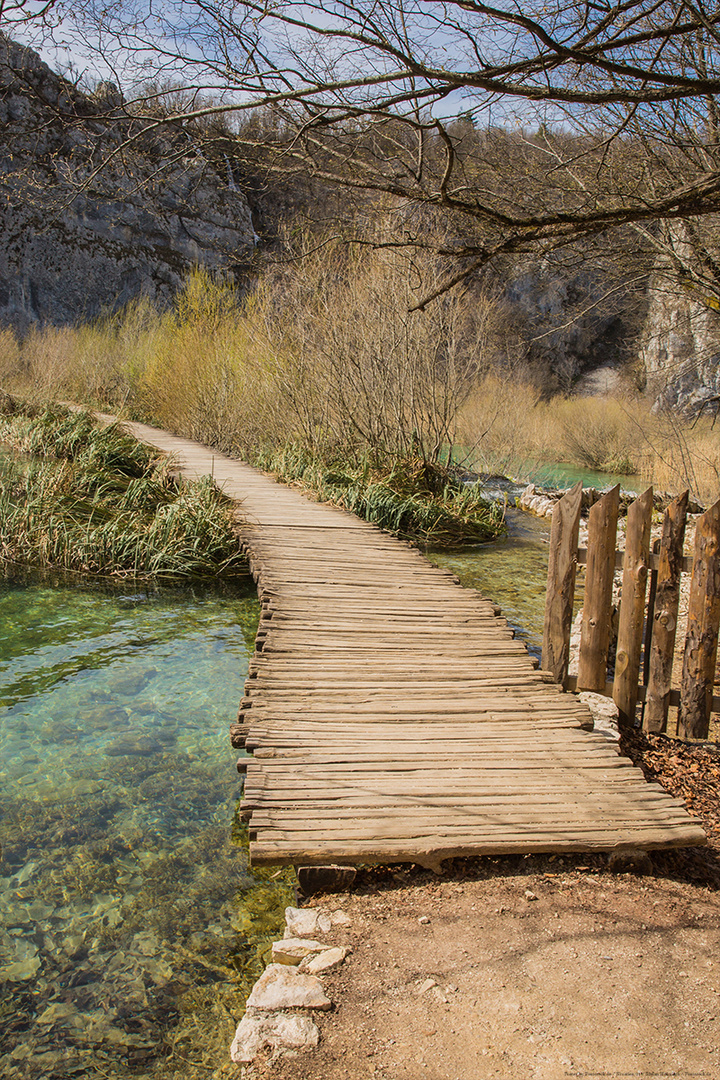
x=561, y=474
x=118, y=878
x=126, y=910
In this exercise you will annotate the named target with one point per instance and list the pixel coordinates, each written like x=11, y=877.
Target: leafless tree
x=612, y=102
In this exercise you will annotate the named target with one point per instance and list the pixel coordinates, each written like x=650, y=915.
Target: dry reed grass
x=507, y=427
x=324, y=355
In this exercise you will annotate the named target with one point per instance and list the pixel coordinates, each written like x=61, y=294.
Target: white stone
x=427, y=985
x=293, y=950
x=301, y=922
x=280, y=987
x=340, y=918
x=324, y=961
x=276, y=1030
x=324, y=923
x=604, y=713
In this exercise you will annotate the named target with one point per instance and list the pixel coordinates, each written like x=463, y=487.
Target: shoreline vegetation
x=420, y=501
x=80, y=497
x=321, y=374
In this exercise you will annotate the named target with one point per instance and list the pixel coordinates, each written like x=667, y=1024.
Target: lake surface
x=126, y=910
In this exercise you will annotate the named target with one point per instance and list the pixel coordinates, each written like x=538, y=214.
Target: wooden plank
x=665, y=615
x=595, y=632
x=632, y=607
x=562, y=565
x=701, y=642
x=431, y=852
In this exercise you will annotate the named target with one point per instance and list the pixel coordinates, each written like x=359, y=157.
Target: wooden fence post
x=595, y=634
x=632, y=606
x=562, y=565
x=662, y=620
x=702, y=631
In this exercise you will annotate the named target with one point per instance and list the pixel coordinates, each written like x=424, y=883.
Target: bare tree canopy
x=528, y=126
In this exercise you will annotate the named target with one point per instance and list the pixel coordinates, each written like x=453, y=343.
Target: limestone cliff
x=680, y=348
x=74, y=241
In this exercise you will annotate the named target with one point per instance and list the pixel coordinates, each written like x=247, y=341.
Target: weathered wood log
x=595, y=633
x=562, y=566
x=702, y=632
x=652, y=588
x=663, y=616
x=320, y=879
x=632, y=607
x=238, y=735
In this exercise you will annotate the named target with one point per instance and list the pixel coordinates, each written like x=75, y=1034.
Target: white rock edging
x=289, y=984
x=293, y=950
x=279, y=1031
x=281, y=987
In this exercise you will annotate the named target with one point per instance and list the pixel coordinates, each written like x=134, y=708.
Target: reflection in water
x=512, y=572
x=118, y=878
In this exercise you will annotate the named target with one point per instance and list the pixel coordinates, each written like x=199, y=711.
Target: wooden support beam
x=562, y=566
x=632, y=607
x=662, y=619
x=595, y=633
x=701, y=641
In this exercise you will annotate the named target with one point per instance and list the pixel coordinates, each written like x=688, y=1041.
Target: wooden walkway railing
x=390, y=716
x=649, y=609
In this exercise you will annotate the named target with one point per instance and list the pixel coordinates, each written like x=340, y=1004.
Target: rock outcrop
x=680, y=349
x=77, y=239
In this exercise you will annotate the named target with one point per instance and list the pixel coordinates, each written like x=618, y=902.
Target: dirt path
x=533, y=968
x=526, y=968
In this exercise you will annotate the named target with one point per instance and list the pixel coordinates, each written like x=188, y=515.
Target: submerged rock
x=140, y=746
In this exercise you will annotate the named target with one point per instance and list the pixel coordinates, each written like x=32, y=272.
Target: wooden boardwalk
x=390, y=714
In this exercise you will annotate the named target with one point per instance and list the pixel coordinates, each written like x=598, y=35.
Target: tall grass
x=91, y=499
x=325, y=355
x=412, y=500
x=506, y=426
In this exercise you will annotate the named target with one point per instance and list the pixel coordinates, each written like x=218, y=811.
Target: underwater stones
x=25, y=962
x=130, y=685
x=288, y=1031
x=87, y=787
x=105, y=717
x=281, y=987
x=137, y=746
x=55, y=1012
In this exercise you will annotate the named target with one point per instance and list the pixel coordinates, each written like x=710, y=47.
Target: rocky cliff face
x=75, y=241
x=568, y=319
x=680, y=349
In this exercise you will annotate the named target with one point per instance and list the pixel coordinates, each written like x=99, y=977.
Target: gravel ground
x=535, y=967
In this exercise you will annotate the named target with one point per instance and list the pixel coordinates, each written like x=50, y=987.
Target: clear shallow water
x=128, y=918
x=561, y=474
x=118, y=880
